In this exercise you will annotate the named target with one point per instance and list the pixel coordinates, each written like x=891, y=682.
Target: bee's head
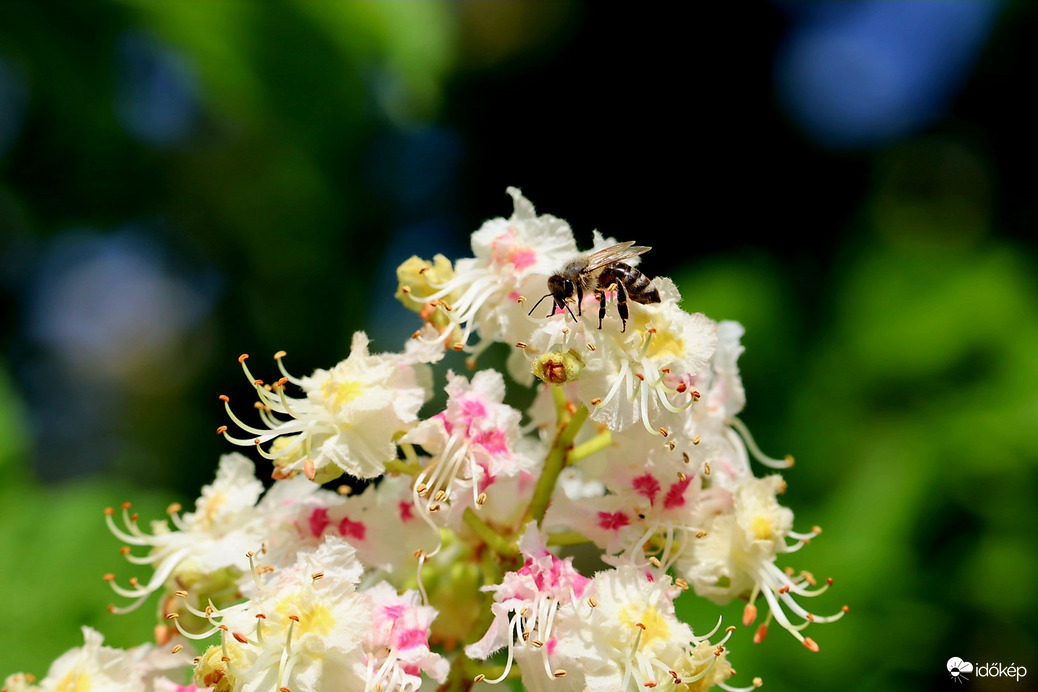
x=560, y=288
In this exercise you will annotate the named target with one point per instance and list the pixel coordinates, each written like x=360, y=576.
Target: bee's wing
x=615, y=253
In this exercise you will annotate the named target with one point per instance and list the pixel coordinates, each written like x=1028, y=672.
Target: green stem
x=491, y=538
x=398, y=466
x=596, y=444
x=558, y=457
x=567, y=538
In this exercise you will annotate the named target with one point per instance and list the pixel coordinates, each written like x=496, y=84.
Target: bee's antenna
x=538, y=303
x=570, y=310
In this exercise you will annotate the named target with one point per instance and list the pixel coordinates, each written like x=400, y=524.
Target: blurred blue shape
x=156, y=96
x=109, y=306
x=856, y=75
x=13, y=98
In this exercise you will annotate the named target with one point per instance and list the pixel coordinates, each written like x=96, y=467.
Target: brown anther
x=592, y=601
x=293, y=618
x=209, y=610
x=261, y=616
x=417, y=334
x=250, y=554
x=536, y=643
x=700, y=534
x=418, y=554
x=846, y=609
x=651, y=330
x=591, y=347
x=640, y=626
x=434, y=508
x=651, y=684
x=663, y=431
x=134, y=582
x=240, y=637
x=224, y=398
x=640, y=376
x=680, y=389
x=317, y=575
x=174, y=508
x=125, y=550
x=225, y=628
x=682, y=477
x=482, y=499
x=706, y=468
x=520, y=344
x=681, y=584
x=696, y=439
x=685, y=457
x=177, y=649
x=784, y=589
x=243, y=357
x=172, y=616
x=134, y=517
x=446, y=306
x=672, y=445
x=596, y=401
x=440, y=496
x=111, y=608
x=126, y=505
x=479, y=678
x=406, y=290
x=109, y=511
x=560, y=673
x=180, y=594
x=458, y=346
x=221, y=430
x=810, y=644
x=282, y=382
x=258, y=383
x=279, y=355
x=256, y=441
x=810, y=617
x=108, y=577
x=696, y=395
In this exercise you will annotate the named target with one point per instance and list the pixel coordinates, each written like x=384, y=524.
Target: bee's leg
x=601, y=306
x=580, y=296
x=621, y=305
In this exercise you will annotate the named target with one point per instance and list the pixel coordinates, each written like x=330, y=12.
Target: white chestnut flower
x=513, y=259
x=347, y=418
x=638, y=373
x=735, y=557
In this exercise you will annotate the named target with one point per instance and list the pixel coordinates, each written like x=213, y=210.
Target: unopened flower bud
x=556, y=367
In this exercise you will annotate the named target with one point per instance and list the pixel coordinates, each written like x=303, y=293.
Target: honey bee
x=596, y=273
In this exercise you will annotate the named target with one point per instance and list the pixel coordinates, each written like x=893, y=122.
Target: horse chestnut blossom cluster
x=406, y=545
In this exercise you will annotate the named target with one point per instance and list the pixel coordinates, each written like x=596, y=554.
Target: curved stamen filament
x=760, y=456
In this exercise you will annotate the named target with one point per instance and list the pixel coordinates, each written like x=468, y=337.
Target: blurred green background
x=181, y=182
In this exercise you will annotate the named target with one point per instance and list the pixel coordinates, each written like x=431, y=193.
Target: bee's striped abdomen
x=639, y=287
